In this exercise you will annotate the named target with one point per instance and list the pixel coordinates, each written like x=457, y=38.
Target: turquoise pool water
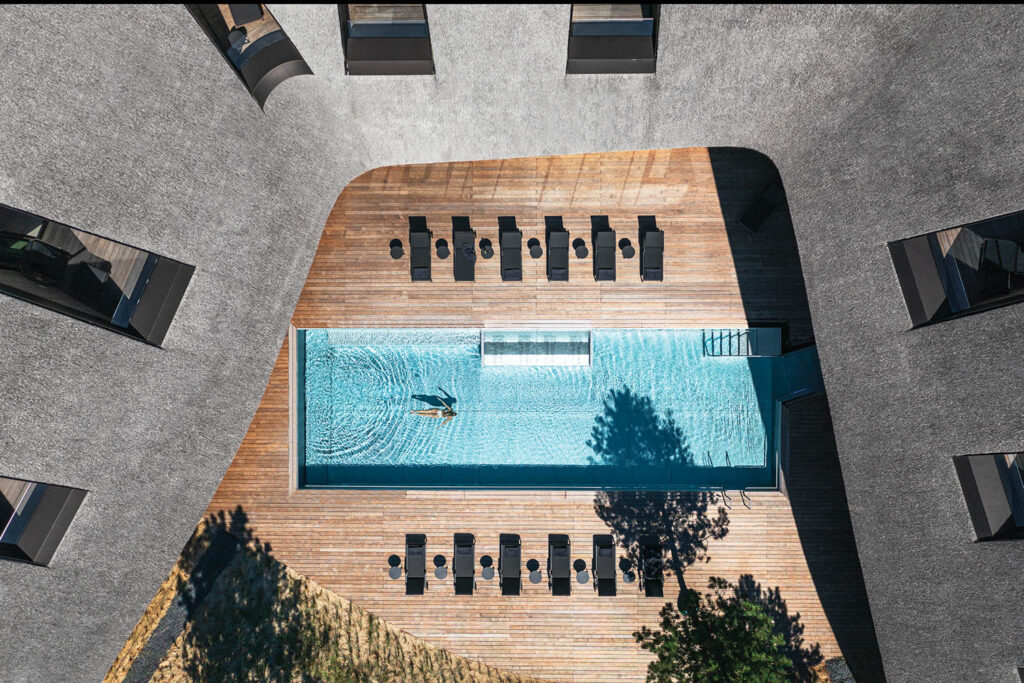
x=649, y=411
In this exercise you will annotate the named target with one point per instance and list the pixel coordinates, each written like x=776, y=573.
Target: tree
x=718, y=638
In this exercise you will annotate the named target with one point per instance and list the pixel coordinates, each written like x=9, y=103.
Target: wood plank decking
x=716, y=275
x=342, y=538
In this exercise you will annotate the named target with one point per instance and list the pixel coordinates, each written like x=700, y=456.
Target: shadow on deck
x=818, y=500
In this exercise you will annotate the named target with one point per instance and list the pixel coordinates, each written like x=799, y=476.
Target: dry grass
x=182, y=569
x=263, y=622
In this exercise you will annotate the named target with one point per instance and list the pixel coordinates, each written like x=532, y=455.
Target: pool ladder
x=726, y=342
x=726, y=498
x=756, y=341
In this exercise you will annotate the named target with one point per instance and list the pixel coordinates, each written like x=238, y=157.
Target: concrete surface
x=885, y=122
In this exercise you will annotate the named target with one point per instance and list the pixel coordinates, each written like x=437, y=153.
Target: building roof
x=884, y=123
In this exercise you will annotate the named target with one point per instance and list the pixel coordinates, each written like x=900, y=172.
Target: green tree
x=718, y=638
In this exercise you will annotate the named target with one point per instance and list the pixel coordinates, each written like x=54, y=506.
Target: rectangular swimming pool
x=615, y=409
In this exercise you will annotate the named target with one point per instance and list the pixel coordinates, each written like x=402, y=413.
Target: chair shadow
x=769, y=295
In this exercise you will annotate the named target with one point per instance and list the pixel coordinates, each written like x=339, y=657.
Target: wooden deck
x=716, y=275
x=342, y=539
x=254, y=29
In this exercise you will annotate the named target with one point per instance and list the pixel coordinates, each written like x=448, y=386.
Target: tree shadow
x=631, y=433
x=258, y=619
x=804, y=658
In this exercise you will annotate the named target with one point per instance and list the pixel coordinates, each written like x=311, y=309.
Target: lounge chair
x=603, y=564
x=419, y=249
x=464, y=563
x=510, y=563
x=762, y=207
x=652, y=567
x=603, y=239
x=415, y=564
x=652, y=248
x=557, y=238
x=511, y=241
x=559, y=570
x=464, y=247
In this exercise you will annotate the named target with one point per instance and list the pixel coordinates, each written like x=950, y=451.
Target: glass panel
x=13, y=494
x=389, y=13
x=243, y=31
x=34, y=518
x=607, y=12
x=387, y=21
x=73, y=271
x=77, y=270
x=612, y=20
x=1015, y=485
x=22, y=513
x=250, y=29
x=961, y=270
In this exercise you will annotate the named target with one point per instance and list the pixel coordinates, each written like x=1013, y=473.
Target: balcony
x=612, y=39
x=958, y=271
x=386, y=40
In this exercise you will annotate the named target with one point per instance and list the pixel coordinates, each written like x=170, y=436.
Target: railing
x=757, y=341
x=726, y=342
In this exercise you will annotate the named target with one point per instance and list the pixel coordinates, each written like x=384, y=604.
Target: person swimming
x=437, y=413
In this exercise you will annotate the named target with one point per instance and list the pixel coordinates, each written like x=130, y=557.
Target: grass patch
x=263, y=622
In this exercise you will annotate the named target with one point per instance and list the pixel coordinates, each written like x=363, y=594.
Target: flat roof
x=884, y=122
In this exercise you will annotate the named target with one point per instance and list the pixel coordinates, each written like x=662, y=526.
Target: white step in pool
x=535, y=348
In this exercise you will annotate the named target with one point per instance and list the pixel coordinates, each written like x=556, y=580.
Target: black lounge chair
x=603, y=239
x=559, y=569
x=464, y=563
x=557, y=239
x=652, y=248
x=419, y=249
x=415, y=564
x=464, y=246
x=510, y=558
x=762, y=207
x=511, y=241
x=652, y=567
x=603, y=564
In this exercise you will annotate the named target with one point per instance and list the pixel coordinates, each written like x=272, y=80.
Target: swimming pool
x=602, y=408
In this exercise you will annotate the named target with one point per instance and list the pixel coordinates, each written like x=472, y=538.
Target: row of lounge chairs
x=559, y=564
x=510, y=241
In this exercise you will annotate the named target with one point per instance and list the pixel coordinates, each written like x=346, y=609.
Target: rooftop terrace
x=799, y=549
